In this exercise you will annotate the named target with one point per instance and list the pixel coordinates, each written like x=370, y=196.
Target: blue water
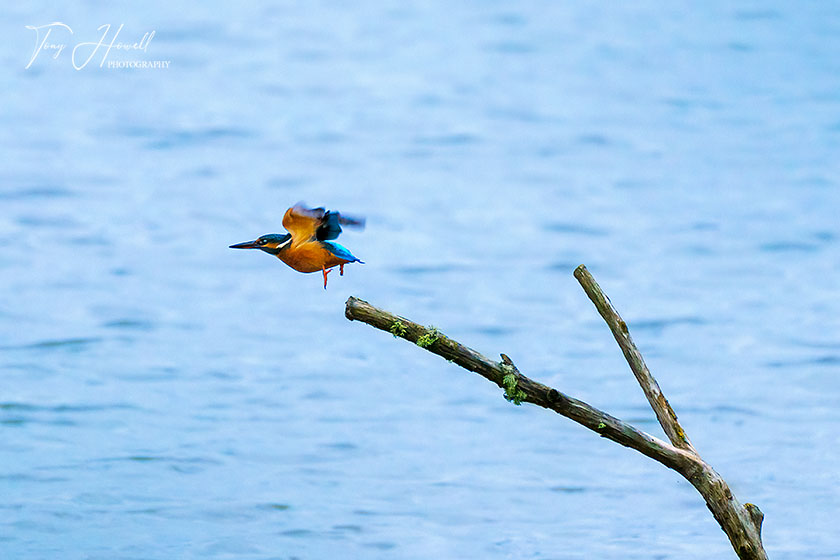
x=165, y=397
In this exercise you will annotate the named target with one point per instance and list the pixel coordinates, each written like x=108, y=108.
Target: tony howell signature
x=48, y=40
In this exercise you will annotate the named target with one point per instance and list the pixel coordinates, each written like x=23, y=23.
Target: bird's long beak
x=246, y=245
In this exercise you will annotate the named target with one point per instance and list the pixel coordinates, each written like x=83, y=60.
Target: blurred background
x=162, y=396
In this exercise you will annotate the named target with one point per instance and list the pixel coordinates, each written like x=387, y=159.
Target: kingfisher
x=308, y=247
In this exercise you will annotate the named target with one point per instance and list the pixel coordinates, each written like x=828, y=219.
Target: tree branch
x=664, y=413
x=531, y=391
x=742, y=523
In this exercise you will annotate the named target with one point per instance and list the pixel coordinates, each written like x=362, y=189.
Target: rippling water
x=165, y=397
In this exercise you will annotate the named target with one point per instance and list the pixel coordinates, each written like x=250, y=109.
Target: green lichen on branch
x=428, y=338
x=513, y=393
x=398, y=329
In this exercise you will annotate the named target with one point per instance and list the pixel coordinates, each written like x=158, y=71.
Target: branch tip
x=756, y=515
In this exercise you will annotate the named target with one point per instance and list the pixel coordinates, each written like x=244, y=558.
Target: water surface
x=166, y=397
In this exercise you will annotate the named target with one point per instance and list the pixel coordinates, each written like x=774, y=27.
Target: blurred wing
x=303, y=222
x=330, y=227
x=352, y=221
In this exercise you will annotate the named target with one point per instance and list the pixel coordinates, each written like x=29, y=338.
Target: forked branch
x=742, y=523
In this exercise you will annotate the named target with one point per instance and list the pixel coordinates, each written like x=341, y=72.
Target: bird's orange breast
x=309, y=257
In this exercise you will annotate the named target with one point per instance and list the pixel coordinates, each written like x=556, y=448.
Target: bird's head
x=270, y=243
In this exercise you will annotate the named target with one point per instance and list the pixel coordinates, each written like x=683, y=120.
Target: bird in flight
x=309, y=245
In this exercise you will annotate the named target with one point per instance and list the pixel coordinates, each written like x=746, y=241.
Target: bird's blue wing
x=340, y=251
x=331, y=222
x=329, y=228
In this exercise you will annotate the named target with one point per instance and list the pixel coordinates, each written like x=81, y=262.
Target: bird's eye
x=262, y=241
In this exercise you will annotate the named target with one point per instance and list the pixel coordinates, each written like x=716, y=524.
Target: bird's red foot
x=341, y=269
x=325, y=271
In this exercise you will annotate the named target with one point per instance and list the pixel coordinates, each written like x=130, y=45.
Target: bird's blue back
x=340, y=251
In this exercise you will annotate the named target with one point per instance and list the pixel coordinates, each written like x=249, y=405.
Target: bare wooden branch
x=664, y=413
x=742, y=523
x=533, y=392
